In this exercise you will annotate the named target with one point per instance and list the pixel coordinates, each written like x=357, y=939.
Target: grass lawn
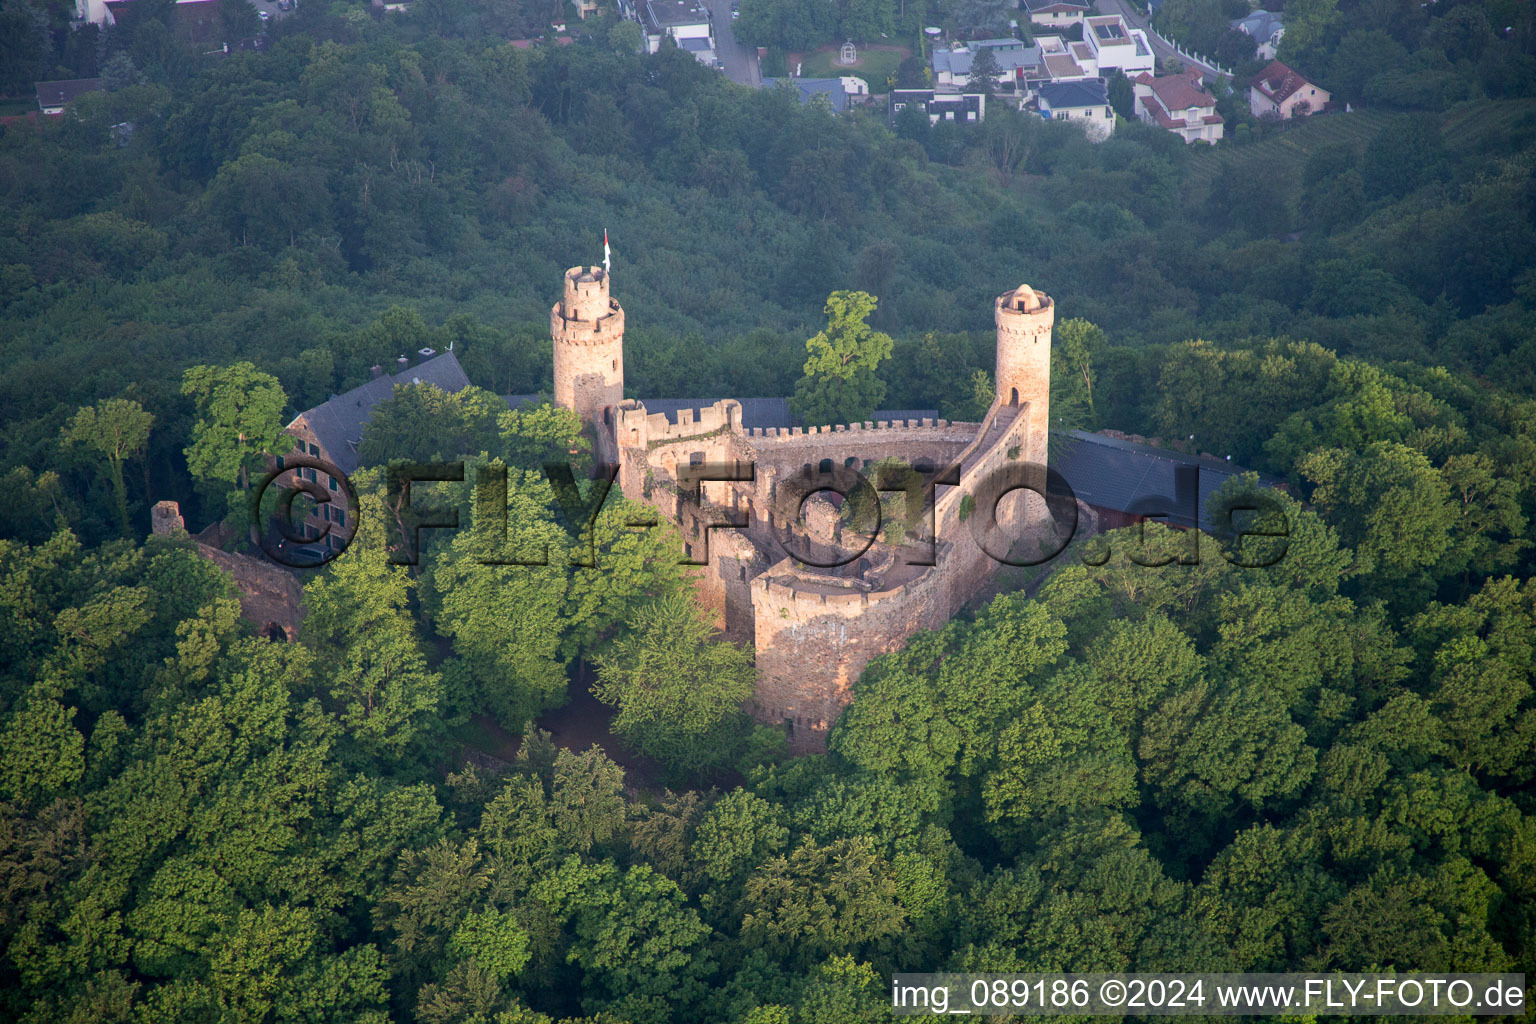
x=874, y=66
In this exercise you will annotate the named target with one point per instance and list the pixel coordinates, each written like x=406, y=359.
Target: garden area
x=876, y=65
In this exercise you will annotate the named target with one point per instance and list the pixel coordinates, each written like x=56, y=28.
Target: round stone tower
x=1024, y=319
x=588, y=330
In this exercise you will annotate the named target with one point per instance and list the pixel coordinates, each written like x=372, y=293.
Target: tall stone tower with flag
x=587, y=326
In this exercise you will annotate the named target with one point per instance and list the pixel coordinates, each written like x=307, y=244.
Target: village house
x=837, y=92
x=53, y=97
x=333, y=430
x=1061, y=61
x=1016, y=63
x=1266, y=28
x=1181, y=104
x=1085, y=103
x=683, y=20
x=1116, y=46
x=1281, y=93
x=1057, y=13
x=966, y=108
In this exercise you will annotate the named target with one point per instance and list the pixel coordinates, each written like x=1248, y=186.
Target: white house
x=1016, y=62
x=1279, y=92
x=1057, y=13
x=1117, y=47
x=963, y=108
x=1085, y=103
x=1057, y=63
x=95, y=12
x=682, y=20
x=1266, y=28
x=1180, y=104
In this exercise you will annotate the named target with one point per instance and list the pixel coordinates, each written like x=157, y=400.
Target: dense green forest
x=1326, y=763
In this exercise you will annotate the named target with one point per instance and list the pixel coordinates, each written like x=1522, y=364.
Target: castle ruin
x=813, y=624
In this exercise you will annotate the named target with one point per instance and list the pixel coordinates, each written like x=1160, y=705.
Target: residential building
x=965, y=108
x=1057, y=63
x=1181, y=104
x=1016, y=63
x=1126, y=482
x=333, y=430
x=1117, y=47
x=836, y=91
x=1085, y=103
x=53, y=97
x=1266, y=28
x=94, y=12
x=680, y=19
x=1057, y=13
x=1279, y=92
x=702, y=48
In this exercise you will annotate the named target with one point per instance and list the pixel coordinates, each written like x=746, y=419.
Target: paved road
x=739, y=59
x=1161, y=49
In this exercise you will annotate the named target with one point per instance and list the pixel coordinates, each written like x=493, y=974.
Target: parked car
x=282, y=5
x=263, y=15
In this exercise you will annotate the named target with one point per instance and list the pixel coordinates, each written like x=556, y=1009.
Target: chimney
x=401, y=364
x=376, y=370
x=426, y=353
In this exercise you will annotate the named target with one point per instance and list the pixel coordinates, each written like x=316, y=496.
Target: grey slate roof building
x=808, y=88
x=1264, y=26
x=1012, y=56
x=54, y=96
x=1138, y=479
x=1090, y=92
x=336, y=425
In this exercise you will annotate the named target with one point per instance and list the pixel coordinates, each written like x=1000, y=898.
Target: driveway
x=739, y=59
x=271, y=8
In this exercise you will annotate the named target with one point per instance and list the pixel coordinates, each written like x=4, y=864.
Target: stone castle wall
x=813, y=638
x=814, y=632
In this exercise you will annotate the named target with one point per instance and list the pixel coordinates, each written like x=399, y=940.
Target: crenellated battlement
x=639, y=428
x=868, y=426
x=587, y=328
x=814, y=631
x=586, y=294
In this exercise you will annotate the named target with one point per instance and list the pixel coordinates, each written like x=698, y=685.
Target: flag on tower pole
x=607, y=254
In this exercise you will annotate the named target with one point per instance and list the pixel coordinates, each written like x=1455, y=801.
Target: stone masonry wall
x=813, y=641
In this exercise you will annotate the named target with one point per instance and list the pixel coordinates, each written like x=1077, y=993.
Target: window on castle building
x=851, y=462
x=314, y=450
x=340, y=518
x=825, y=466
x=695, y=458
x=332, y=481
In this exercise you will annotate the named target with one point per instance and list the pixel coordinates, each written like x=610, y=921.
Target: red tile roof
x=1278, y=82
x=1178, y=92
